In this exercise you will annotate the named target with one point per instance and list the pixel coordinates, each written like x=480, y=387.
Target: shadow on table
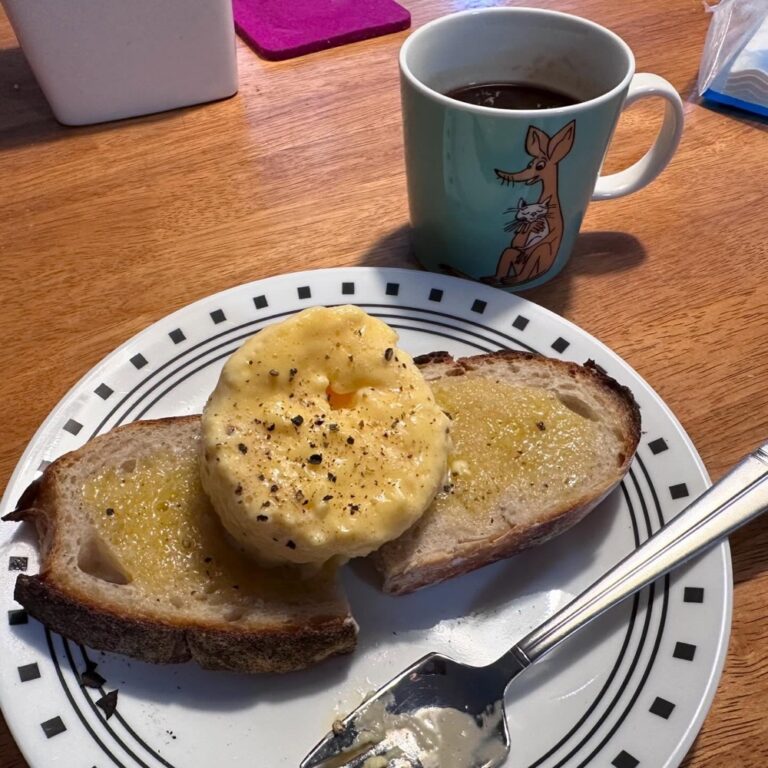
x=392, y=250
x=26, y=117
x=748, y=548
x=595, y=253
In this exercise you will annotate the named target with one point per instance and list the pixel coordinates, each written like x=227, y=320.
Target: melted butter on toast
x=520, y=442
x=157, y=521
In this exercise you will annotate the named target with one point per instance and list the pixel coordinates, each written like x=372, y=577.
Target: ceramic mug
x=499, y=195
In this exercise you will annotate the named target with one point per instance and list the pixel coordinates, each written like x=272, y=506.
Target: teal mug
x=498, y=195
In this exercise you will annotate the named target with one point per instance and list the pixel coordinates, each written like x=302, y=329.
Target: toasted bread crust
x=468, y=557
x=404, y=571
x=271, y=650
x=68, y=610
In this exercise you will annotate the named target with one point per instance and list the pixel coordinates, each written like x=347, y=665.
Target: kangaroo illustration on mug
x=538, y=226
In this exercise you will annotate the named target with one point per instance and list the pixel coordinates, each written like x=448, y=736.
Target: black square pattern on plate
x=218, y=316
x=103, y=391
x=679, y=491
x=53, y=727
x=139, y=361
x=17, y=616
x=177, y=336
x=479, y=306
x=393, y=289
x=658, y=445
x=661, y=707
x=16, y=563
x=693, y=595
x=435, y=295
x=72, y=426
x=260, y=302
x=520, y=323
x=625, y=760
x=347, y=288
x=305, y=292
x=560, y=344
x=684, y=651
x=29, y=672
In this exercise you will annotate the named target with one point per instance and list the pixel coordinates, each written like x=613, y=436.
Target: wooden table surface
x=104, y=230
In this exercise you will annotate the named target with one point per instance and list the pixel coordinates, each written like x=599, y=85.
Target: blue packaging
x=734, y=66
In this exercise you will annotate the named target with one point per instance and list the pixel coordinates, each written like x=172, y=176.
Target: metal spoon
x=387, y=729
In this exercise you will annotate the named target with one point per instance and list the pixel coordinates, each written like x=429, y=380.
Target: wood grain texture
x=104, y=230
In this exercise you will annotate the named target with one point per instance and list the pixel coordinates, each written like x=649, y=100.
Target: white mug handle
x=645, y=170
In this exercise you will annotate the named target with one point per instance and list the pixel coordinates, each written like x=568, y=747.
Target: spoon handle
x=737, y=498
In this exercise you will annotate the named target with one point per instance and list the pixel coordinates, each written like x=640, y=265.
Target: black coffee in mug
x=511, y=96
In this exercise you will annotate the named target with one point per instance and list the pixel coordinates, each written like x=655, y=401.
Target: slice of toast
x=538, y=443
x=133, y=560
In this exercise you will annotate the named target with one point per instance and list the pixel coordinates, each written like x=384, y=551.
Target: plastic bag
x=734, y=66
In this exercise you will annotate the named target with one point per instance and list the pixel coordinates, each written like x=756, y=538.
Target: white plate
x=630, y=690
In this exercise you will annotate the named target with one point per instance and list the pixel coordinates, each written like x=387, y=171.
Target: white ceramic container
x=100, y=60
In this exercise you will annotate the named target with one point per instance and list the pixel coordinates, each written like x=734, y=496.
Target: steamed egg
x=322, y=440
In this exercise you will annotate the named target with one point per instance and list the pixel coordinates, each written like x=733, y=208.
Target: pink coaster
x=281, y=29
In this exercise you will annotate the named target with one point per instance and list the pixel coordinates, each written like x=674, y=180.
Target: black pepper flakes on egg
x=290, y=544
x=242, y=447
x=388, y=353
x=273, y=372
x=315, y=458
x=297, y=420
x=262, y=518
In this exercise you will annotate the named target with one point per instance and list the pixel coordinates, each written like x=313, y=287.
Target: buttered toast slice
x=537, y=444
x=134, y=560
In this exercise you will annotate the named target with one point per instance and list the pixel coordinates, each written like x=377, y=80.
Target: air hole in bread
x=96, y=559
x=578, y=406
x=233, y=614
x=339, y=400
